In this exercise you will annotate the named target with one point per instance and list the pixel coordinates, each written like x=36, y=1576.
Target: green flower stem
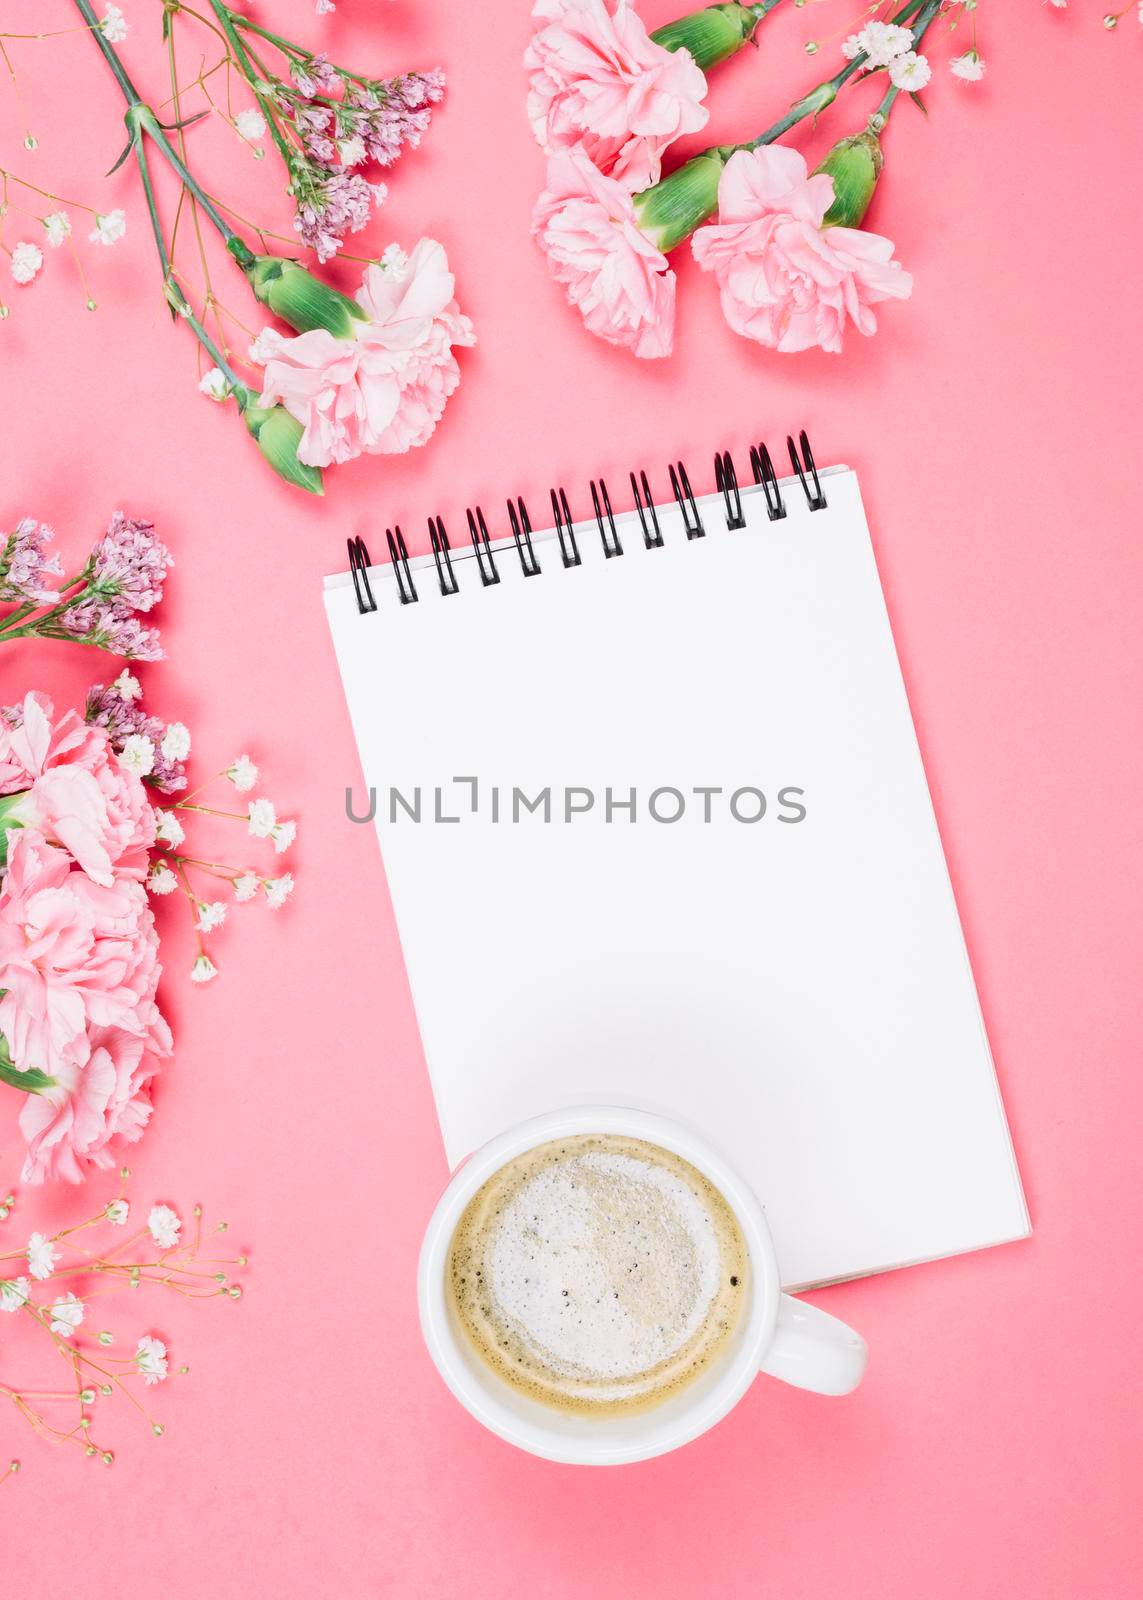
x=286, y=46
x=254, y=72
x=928, y=15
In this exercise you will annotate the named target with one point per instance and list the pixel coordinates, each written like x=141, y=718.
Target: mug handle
x=813, y=1350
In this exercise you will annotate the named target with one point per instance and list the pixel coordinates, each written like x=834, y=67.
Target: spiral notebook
x=657, y=832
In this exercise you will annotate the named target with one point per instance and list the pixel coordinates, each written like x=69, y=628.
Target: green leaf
x=32, y=1082
x=917, y=101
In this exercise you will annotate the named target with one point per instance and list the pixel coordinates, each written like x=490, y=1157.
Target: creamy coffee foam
x=598, y=1273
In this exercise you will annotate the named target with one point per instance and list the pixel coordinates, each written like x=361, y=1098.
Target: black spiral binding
x=726, y=481
x=478, y=532
x=446, y=577
x=522, y=533
x=611, y=547
x=565, y=532
x=816, y=500
x=763, y=469
x=399, y=556
x=359, y=571
x=726, y=484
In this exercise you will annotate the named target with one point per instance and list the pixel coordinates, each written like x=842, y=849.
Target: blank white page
x=797, y=990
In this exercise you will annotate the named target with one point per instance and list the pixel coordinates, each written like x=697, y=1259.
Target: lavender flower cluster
x=343, y=123
x=124, y=575
x=25, y=565
x=114, y=708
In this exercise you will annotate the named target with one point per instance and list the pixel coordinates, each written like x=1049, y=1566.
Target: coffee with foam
x=598, y=1273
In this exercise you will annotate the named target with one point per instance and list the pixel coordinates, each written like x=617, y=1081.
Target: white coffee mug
x=777, y=1334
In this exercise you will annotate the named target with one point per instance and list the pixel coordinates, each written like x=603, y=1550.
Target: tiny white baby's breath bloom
x=57, y=226
x=14, y=1293
x=214, y=384
x=1061, y=5
x=969, y=67
x=161, y=880
x=351, y=151
x=114, y=25
x=243, y=774
x=27, y=259
x=151, y=1359
x=118, y=1212
x=138, y=754
x=168, y=828
x=262, y=818
x=910, y=72
x=851, y=47
x=278, y=890
x=881, y=42
x=109, y=228
x=165, y=1226
x=246, y=887
x=211, y=915
x=283, y=834
x=203, y=970
x=67, y=1314
x=42, y=1256
x=323, y=7
x=127, y=686
x=393, y=258
x=250, y=125
x=176, y=742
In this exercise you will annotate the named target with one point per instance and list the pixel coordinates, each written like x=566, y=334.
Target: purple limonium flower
x=129, y=563
x=110, y=708
x=25, y=565
x=111, y=625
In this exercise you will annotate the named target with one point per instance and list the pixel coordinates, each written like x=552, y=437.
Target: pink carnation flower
x=96, y=1108
x=78, y=796
x=785, y=280
x=618, y=280
x=74, y=955
x=598, y=79
x=383, y=391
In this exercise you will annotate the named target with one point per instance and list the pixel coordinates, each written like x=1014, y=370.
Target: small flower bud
x=157, y=1429
x=106, y=1338
x=235, y=1291
x=278, y=434
x=87, y=1396
x=107, y=1458
x=854, y=165
x=300, y=299
x=711, y=35
x=105, y=1389
x=674, y=207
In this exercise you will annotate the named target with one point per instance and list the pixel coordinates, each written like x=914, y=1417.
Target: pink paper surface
x=994, y=1448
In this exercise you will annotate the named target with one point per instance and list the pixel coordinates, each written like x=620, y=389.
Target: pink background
x=995, y=1446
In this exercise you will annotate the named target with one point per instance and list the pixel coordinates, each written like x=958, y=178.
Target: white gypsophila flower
x=214, y=385
x=165, y=1226
x=324, y=7
x=246, y=886
x=109, y=228
x=161, y=880
x=114, y=25
x=138, y=754
x=250, y=125
x=283, y=834
x=127, y=686
x=27, y=259
x=351, y=151
x=176, y=742
x=394, y=259
x=151, y=1359
x=57, y=226
x=969, y=68
x=262, y=818
x=243, y=774
x=14, y=1293
x=118, y=1212
x=880, y=42
x=910, y=72
x=67, y=1314
x=42, y=1256
x=211, y=915
x=203, y=970
x=168, y=828
x=278, y=890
